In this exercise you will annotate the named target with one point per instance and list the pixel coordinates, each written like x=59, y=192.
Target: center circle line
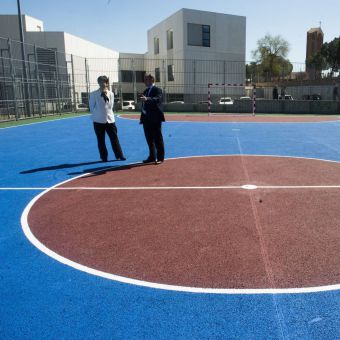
x=226, y=291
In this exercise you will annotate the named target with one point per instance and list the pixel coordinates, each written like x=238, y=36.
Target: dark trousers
x=154, y=138
x=111, y=130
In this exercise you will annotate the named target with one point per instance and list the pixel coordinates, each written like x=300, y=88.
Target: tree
x=270, y=57
x=328, y=58
x=315, y=64
x=251, y=70
x=331, y=52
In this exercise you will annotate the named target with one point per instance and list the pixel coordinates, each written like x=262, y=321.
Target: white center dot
x=249, y=187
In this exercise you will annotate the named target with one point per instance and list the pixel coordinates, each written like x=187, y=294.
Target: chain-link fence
x=50, y=82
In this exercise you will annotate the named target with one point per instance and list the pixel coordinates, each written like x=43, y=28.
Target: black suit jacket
x=153, y=106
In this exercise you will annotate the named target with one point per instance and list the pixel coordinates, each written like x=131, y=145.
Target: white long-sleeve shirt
x=102, y=112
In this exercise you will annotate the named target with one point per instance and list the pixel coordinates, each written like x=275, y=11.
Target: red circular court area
x=242, y=118
x=191, y=222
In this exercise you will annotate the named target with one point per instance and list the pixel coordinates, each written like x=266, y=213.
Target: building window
x=84, y=98
x=171, y=71
x=206, y=35
x=140, y=76
x=127, y=76
x=157, y=75
x=198, y=35
x=170, y=39
x=156, y=45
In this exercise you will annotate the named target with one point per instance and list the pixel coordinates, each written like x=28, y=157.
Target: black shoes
x=118, y=159
x=149, y=160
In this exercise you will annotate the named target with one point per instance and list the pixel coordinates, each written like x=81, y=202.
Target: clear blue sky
x=126, y=22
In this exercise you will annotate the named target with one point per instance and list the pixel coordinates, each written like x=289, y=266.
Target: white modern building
x=192, y=48
x=185, y=52
x=73, y=57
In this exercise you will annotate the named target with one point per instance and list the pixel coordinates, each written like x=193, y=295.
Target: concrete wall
x=101, y=60
x=227, y=43
x=227, y=36
x=175, y=22
x=52, y=40
x=298, y=106
x=326, y=91
x=32, y=24
x=9, y=26
x=132, y=61
x=263, y=106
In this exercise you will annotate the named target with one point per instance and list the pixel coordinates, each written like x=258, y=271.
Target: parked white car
x=128, y=105
x=79, y=107
x=176, y=102
x=287, y=97
x=226, y=101
x=206, y=102
x=82, y=107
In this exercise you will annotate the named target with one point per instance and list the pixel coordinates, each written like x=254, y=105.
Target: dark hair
x=149, y=76
x=104, y=79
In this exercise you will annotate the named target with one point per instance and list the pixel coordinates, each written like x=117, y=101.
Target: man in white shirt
x=101, y=107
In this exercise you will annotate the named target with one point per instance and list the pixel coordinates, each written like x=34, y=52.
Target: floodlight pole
x=23, y=54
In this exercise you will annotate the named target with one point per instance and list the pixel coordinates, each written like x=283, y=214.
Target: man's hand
x=143, y=98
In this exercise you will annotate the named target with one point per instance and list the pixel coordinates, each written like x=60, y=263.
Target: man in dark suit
x=152, y=117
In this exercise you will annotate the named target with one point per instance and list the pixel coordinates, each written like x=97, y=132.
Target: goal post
x=231, y=99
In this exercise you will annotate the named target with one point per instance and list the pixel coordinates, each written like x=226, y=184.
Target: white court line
x=27, y=231
x=238, y=122
x=185, y=187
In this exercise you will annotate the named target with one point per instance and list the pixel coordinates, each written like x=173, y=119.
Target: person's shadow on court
x=103, y=170
x=92, y=171
x=64, y=166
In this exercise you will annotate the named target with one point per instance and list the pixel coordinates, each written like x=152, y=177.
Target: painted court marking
x=27, y=231
x=245, y=187
x=238, y=122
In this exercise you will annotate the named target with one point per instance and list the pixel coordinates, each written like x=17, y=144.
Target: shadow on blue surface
x=60, y=166
x=103, y=170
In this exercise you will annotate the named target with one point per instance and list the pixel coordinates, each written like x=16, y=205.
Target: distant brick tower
x=314, y=44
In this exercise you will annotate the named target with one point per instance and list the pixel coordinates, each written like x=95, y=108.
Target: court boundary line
x=233, y=122
x=225, y=291
x=262, y=187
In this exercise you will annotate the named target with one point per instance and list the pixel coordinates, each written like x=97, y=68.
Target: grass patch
x=27, y=121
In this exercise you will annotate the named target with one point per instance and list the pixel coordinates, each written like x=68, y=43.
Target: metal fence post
x=73, y=85
x=44, y=92
x=224, y=78
x=194, y=69
x=164, y=81
x=37, y=77
x=134, y=80
x=57, y=82
x=87, y=80
x=13, y=78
